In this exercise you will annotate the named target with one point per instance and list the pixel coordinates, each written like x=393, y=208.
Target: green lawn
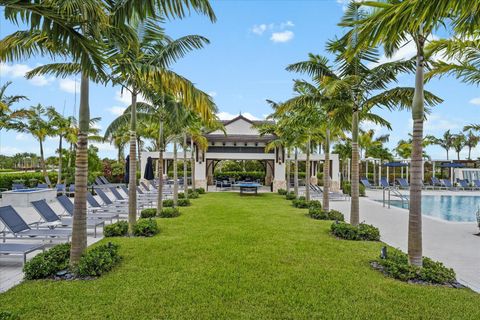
x=235, y=257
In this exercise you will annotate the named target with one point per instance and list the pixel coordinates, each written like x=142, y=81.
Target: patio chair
x=384, y=183
x=20, y=249
x=104, y=180
x=18, y=186
x=436, y=183
x=403, y=184
x=71, y=190
x=476, y=184
x=67, y=205
x=367, y=184
x=19, y=228
x=107, y=201
x=42, y=186
x=96, y=207
x=464, y=184
x=61, y=189
x=448, y=184
x=51, y=219
x=117, y=195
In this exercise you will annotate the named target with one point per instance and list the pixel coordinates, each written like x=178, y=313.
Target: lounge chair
x=117, y=195
x=20, y=249
x=61, y=189
x=384, y=183
x=403, y=184
x=18, y=186
x=448, y=184
x=42, y=186
x=331, y=195
x=108, y=202
x=19, y=228
x=104, y=180
x=99, y=182
x=367, y=184
x=67, y=205
x=476, y=184
x=51, y=219
x=96, y=207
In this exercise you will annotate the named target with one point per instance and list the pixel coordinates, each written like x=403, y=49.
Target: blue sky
x=251, y=44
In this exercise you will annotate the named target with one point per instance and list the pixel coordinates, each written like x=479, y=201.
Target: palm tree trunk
x=326, y=173
x=307, y=173
x=175, y=175
x=192, y=164
x=295, y=173
x=447, y=154
x=42, y=161
x=160, y=170
x=132, y=183
x=139, y=152
x=415, y=211
x=185, y=175
x=79, y=227
x=287, y=171
x=469, y=152
x=60, y=160
x=354, y=188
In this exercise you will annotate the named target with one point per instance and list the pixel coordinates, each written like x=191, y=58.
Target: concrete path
x=452, y=243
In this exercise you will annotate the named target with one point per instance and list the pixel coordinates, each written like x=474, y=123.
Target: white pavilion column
x=335, y=178
x=143, y=161
x=200, y=171
x=313, y=172
x=279, y=181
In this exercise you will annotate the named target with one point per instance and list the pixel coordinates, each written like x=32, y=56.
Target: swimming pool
x=450, y=208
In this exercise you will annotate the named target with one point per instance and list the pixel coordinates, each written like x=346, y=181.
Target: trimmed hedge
x=6, y=179
x=168, y=203
x=48, y=263
x=99, y=260
x=395, y=265
x=290, y=196
x=363, y=231
x=146, y=228
x=148, y=213
x=282, y=192
x=183, y=202
x=347, y=188
x=319, y=214
x=200, y=190
x=169, y=213
x=117, y=229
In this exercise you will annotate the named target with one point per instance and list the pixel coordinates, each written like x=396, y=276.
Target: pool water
x=450, y=208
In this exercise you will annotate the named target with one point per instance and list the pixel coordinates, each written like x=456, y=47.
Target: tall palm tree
x=458, y=143
x=61, y=126
x=35, y=122
x=445, y=142
x=391, y=24
x=6, y=104
x=81, y=37
x=471, y=142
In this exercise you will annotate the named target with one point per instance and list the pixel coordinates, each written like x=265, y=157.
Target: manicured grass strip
x=235, y=257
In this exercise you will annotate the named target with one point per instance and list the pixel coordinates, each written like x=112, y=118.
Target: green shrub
x=7, y=315
x=181, y=195
x=315, y=204
x=6, y=179
x=200, y=190
x=48, y=263
x=145, y=228
x=290, y=196
x=361, y=232
x=183, y=202
x=300, y=203
x=302, y=198
x=396, y=265
x=240, y=175
x=117, y=229
x=335, y=215
x=193, y=195
x=97, y=261
x=347, y=189
x=168, y=203
x=282, y=192
x=319, y=214
x=148, y=213
x=169, y=213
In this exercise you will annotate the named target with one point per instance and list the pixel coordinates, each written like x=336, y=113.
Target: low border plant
x=146, y=228
x=319, y=214
x=117, y=229
x=148, y=213
x=169, y=213
x=347, y=231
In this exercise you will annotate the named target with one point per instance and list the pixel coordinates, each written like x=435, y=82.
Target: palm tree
x=60, y=126
x=393, y=23
x=471, y=142
x=458, y=143
x=36, y=124
x=6, y=103
x=446, y=141
x=81, y=37
x=368, y=141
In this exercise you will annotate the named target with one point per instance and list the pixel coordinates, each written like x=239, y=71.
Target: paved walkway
x=453, y=243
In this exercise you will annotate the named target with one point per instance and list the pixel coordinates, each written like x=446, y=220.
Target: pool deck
x=453, y=243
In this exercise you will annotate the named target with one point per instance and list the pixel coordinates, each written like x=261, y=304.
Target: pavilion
x=242, y=141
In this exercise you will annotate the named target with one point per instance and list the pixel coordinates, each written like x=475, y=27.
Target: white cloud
x=20, y=137
x=475, y=101
x=436, y=123
x=212, y=94
x=223, y=115
x=104, y=146
x=116, y=111
x=19, y=70
x=69, y=85
x=125, y=97
x=259, y=29
x=283, y=36
x=287, y=24
x=9, y=150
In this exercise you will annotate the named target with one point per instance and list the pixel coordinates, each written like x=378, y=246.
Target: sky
x=250, y=45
